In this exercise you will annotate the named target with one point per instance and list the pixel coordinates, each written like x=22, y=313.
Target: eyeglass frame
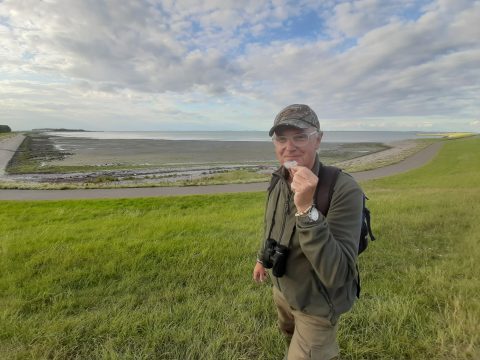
x=293, y=141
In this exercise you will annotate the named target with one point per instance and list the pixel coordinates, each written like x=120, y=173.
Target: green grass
x=453, y=135
x=6, y=135
x=170, y=278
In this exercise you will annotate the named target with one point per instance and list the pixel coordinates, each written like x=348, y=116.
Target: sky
x=135, y=65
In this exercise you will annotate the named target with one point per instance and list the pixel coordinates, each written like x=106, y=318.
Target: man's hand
x=304, y=183
x=259, y=273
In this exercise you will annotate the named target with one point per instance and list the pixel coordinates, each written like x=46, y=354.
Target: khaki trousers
x=310, y=337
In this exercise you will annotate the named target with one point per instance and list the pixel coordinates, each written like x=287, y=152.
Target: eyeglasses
x=297, y=139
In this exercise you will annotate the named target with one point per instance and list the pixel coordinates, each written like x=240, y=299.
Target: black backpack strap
x=327, y=177
x=273, y=182
x=274, y=179
x=367, y=219
x=358, y=282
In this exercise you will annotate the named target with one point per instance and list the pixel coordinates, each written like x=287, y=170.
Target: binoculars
x=275, y=257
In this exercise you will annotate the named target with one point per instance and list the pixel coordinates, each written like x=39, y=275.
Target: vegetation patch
x=453, y=135
x=5, y=129
x=6, y=135
x=33, y=153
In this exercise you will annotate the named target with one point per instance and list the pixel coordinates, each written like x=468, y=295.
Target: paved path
x=7, y=150
x=414, y=161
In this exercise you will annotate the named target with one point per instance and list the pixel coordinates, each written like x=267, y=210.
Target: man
x=320, y=278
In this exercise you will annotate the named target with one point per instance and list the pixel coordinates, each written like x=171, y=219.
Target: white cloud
x=115, y=60
x=402, y=68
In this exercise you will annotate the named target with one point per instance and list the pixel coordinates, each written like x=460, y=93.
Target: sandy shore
x=398, y=151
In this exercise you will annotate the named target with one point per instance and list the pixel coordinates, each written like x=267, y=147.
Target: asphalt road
x=412, y=162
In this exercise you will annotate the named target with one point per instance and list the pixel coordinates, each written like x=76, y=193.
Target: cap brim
x=299, y=124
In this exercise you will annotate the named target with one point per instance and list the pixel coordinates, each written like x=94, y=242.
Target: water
x=329, y=136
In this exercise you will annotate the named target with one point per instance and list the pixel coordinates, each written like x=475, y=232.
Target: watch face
x=313, y=214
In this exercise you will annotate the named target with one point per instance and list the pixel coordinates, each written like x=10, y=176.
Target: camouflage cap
x=296, y=115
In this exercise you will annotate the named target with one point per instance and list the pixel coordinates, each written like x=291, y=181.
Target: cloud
x=131, y=44
x=28, y=105
x=422, y=67
x=239, y=62
x=355, y=19
x=146, y=45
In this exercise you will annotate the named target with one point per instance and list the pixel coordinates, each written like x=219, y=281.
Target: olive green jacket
x=321, y=272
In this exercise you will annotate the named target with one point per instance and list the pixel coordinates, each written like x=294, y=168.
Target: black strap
x=358, y=282
x=327, y=177
x=270, y=189
x=273, y=181
x=367, y=218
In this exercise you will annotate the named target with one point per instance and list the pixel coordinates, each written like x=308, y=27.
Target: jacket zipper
x=325, y=294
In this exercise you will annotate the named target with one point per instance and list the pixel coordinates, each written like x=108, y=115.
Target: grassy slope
x=170, y=278
x=6, y=135
x=422, y=277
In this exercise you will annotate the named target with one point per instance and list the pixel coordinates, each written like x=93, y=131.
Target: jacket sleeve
x=331, y=244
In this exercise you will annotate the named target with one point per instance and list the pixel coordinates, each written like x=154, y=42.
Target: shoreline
x=202, y=174
x=397, y=151
x=419, y=159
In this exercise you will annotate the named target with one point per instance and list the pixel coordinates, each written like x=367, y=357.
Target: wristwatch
x=311, y=214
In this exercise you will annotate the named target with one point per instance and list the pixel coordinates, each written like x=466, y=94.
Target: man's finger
x=293, y=186
x=303, y=178
x=302, y=174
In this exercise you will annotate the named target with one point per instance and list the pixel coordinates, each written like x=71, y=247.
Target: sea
x=328, y=136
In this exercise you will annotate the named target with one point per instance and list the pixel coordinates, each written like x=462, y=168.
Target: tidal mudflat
x=48, y=158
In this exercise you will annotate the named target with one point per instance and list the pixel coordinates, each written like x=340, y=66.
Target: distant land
x=5, y=129
x=59, y=130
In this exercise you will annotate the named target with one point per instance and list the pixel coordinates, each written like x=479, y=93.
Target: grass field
x=170, y=278
x=453, y=135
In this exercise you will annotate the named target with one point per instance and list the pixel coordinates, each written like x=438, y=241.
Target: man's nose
x=290, y=145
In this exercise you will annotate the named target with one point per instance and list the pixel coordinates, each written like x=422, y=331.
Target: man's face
x=302, y=153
